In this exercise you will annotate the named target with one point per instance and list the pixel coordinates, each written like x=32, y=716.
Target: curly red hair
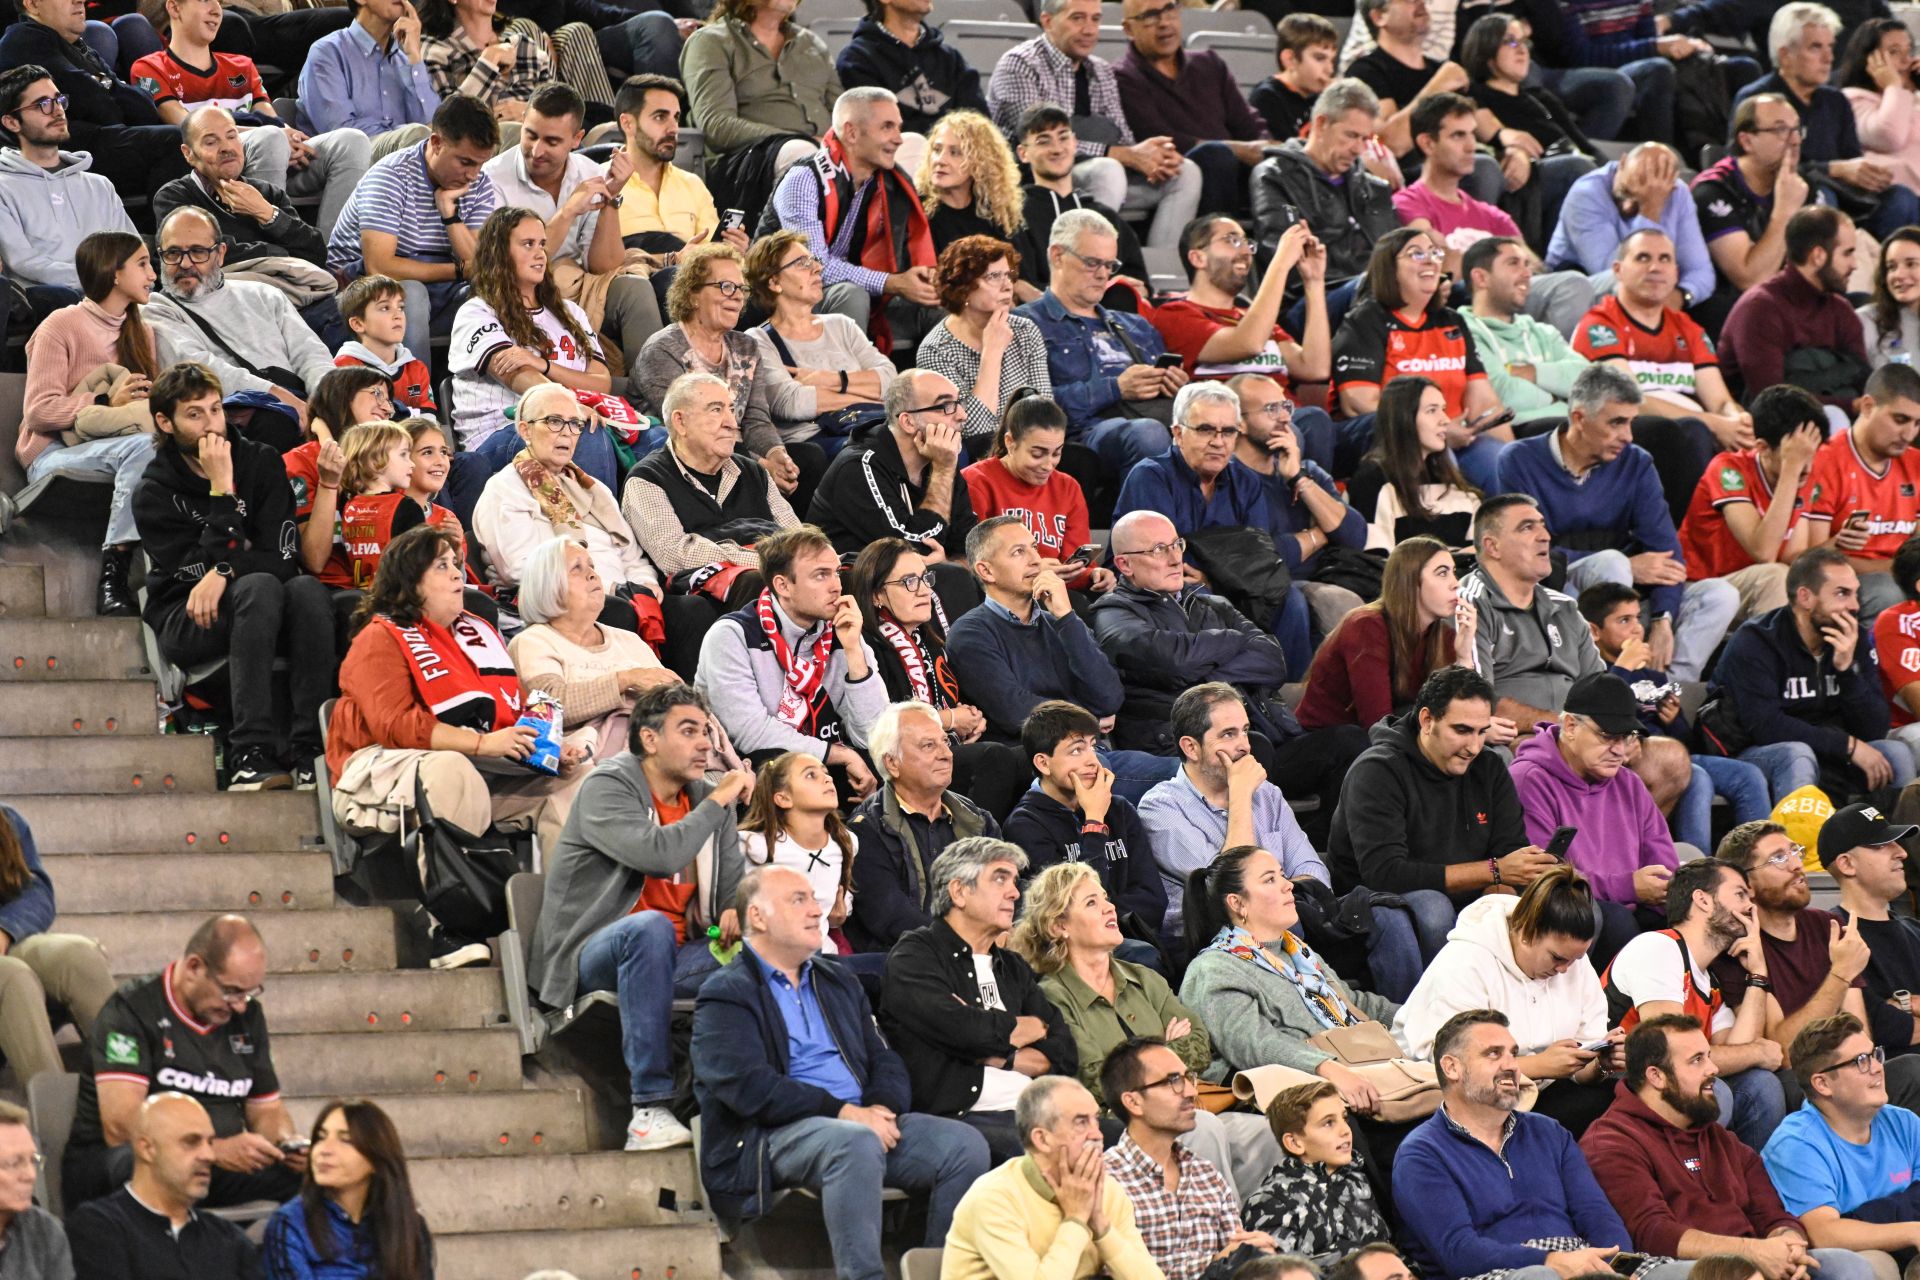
x=965, y=261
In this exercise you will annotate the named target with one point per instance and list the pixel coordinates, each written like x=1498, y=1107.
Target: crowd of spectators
x=1306, y=742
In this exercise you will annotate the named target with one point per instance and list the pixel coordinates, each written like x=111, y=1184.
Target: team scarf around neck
x=876, y=249
x=906, y=647
x=805, y=672
x=462, y=672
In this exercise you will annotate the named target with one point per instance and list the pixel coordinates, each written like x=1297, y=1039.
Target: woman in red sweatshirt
x=1023, y=478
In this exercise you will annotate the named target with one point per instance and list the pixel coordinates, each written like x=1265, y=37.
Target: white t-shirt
x=480, y=401
x=821, y=867
x=1001, y=1087
x=1648, y=969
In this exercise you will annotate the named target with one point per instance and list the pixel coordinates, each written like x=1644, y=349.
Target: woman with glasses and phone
x=906, y=627
x=824, y=352
x=355, y=1217
x=1408, y=485
x=704, y=303
x=516, y=332
x=986, y=351
x=1404, y=327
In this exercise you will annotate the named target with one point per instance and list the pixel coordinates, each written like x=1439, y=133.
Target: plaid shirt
x=1183, y=1229
x=1036, y=72
x=455, y=64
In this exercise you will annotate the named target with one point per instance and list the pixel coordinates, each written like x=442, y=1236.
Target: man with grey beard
x=247, y=332
x=1484, y=1187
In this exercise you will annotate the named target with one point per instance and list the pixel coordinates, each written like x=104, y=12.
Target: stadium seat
x=983, y=43
x=1249, y=57
x=981, y=11
x=1164, y=274
x=920, y=1264
x=1234, y=21
x=1113, y=43
x=52, y=1098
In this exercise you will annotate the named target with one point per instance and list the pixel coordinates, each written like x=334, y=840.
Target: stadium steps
x=513, y=1175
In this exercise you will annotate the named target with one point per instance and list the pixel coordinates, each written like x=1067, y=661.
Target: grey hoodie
x=46, y=213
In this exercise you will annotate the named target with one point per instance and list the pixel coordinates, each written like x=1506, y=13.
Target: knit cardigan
x=69, y=344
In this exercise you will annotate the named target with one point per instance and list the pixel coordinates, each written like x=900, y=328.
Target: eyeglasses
x=910, y=583
x=1099, y=266
x=1862, y=1062
x=1155, y=15
x=727, y=288
x=806, y=262
x=1179, y=1082
x=194, y=253
x=48, y=105
x=559, y=425
x=1178, y=547
x=1210, y=434
x=1278, y=408
x=1516, y=42
x=20, y=1164
x=945, y=406
x=997, y=277
x=1784, y=130
x=1235, y=243
x=241, y=999
x=1793, y=855
x=1423, y=256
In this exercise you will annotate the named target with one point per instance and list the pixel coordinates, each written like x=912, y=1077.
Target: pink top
x=66, y=347
x=1889, y=134
x=1447, y=218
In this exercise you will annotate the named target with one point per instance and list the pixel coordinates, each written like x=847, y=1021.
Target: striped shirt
x=1036, y=72
x=396, y=197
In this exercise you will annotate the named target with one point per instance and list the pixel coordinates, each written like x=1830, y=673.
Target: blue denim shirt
x=813, y=1056
x=1084, y=359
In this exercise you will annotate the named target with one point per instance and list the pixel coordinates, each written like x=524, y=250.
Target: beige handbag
x=1409, y=1088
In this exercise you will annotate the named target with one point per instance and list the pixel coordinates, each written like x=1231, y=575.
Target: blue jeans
x=1600, y=98
x=1121, y=442
x=1792, y=765
x=1223, y=179
x=1315, y=431
x=1707, y=608
x=430, y=309
x=843, y=1163
x=646, y=42
x=1743, y=785
x=120, y=459
x=1292, y=626
x=629, y=958
x=1752, y=1104
x=1136, y=772
x=1899, y=207
x=471, y=468
x=1656, y=83
x=1406, y=939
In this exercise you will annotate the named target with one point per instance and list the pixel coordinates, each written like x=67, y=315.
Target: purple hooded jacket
x=1621, y=829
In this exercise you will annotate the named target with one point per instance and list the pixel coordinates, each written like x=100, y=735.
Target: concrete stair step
x=452, y=1063
x=680, y=1252
x=23, y=591
x=80, y=708
x=174, y=763
x=207, y=882
x=361, y=938
x=495, y=1126
x=403, y=1002
x=553, y=1193
x=71, y=649
x=217, y=822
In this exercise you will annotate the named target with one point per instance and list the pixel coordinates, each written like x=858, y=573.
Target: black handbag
x=1242, y=564
x=1717, y=731
x=1160, y=408
x=462, y=878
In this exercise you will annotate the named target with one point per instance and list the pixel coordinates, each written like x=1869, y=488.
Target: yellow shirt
x=1009, y=1227
x=683, y=208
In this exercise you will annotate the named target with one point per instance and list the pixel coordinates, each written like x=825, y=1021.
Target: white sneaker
x=463, y=956
x=655, y=1129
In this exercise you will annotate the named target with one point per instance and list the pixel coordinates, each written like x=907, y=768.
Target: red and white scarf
x=462, y=672
x=906, y=647
x=805, y=673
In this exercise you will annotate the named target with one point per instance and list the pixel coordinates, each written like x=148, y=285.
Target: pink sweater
x=69, y=344
x=1889, y=135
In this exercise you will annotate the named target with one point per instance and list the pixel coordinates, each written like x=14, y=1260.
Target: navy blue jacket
x=1782, y=693
x=740, y=1073
x=1011, y=669
x=32, y=911
x=1048, y=833
x=95, y=95
x=930, y=76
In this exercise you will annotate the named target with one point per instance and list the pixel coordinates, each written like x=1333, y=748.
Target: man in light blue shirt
x=1844, y=1164
x=371, y=76
x=1643, y=190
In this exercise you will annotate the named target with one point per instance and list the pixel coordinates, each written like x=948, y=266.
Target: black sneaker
x=254, y=770
x=304, y=778
x=445, y=951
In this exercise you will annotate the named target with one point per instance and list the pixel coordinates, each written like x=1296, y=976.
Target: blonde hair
x=1047, y=899
x=696, y=270
x=996, y=175
x=369, y=446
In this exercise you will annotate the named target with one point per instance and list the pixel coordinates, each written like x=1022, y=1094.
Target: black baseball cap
x=1607, y=701
x=1856, y=825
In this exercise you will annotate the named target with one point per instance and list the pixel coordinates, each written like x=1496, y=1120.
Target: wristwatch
x=224, y=569
x=448, y=219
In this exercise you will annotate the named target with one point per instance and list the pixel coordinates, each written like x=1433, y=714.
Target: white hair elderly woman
x=594, y=671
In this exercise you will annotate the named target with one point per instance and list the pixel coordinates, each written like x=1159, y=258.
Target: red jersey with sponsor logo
x=1896, y=639
x=1187, y=326
x=1375, y=346
x=231, y=82
x=1708, y=544
x=1665, y=361
x=1841, y=483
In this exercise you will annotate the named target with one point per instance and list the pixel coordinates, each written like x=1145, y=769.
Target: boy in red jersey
x=1896, y=643
x=1865, y=487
